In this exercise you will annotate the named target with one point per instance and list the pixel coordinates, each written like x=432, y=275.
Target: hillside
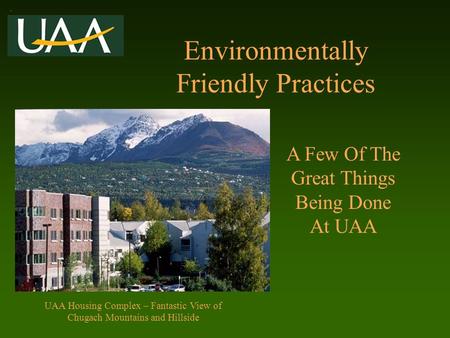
x=128, y=181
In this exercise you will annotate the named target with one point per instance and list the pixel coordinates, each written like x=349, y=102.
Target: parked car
x=148, y=288
x=134, y=288
x=176, y=288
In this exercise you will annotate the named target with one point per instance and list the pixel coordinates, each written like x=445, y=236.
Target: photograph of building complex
x=153, y=200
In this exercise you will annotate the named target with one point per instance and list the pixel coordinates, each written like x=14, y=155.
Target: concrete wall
x=200, y=242
x=100, y=228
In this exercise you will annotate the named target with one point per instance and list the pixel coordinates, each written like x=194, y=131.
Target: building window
x=38, y=258
x=78, y=213
x=85, y=214
x=54, y=282
x=185, y=244
x=38, y=211
x=54, y=235
x=61, y=235
x=39, y=235
x=72, y=213
x=53, y=257
x=90, y=235
x=53, y=213
x=90, y=214
x=61, y=213
x=78, y=235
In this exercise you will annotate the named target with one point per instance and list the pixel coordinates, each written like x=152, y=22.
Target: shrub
x=195, y=285
x=215, y=284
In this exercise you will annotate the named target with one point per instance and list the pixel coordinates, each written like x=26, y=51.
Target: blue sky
x=75, y=125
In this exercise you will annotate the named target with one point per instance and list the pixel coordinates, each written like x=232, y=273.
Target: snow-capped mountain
x=44, y=153
x=126, y=136
x=137, y=129
x=141, y=138
x=175, y=129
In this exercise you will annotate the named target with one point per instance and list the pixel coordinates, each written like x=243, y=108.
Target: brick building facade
x=53, y=229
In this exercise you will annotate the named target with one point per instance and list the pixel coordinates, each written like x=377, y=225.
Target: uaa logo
x=68, y=35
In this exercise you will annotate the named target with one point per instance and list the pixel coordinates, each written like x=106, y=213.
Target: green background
x=393, y=284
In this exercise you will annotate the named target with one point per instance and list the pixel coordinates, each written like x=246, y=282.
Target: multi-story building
x=53, y=229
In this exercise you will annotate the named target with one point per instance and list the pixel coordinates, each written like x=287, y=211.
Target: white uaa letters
x=20, y=36
x=96, y=28
x=60, y=27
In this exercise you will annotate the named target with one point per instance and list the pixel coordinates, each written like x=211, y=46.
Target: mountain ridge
x=141, y=138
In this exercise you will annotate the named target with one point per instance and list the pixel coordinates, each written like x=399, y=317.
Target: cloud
x=75, y=125
x=70, y=119
x=65, y=120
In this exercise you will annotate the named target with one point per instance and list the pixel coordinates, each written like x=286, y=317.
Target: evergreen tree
x=176, y=212
x=117, y=211
x=235, y=250
x=263, y=204
x=138, y=211
x=203, y=212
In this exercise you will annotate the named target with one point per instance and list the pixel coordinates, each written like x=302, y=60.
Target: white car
x=176, y=288
x=134, y=288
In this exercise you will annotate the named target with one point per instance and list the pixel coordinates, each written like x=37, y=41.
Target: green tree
x=138, y=211
x=117, y=211
x=153, y=208
x=263, y=204
x=176, y=212
x=127, y=214
x=195, y=284
x=157, y=246
x=157, y=237
x=130, y=263
x=190, y=267
x=69, y=266
x=235, y=252
x=203, y=212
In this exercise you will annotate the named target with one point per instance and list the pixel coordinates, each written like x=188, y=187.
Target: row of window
x=54, y=213
x=40, y=258
x=80, y=214
x=40, y=235
x=81, y=235
x=35, y=211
